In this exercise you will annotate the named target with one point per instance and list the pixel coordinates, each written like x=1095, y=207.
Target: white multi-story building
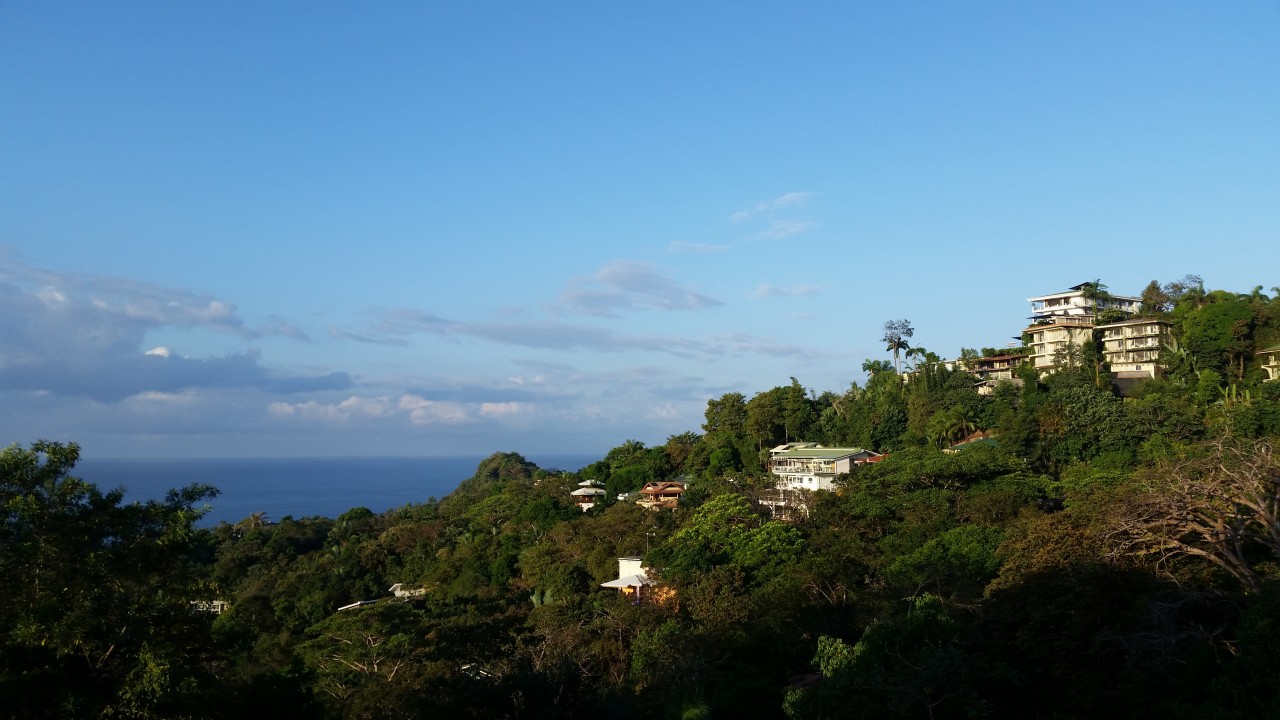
x=1074, y=303
x=809, y=466
x=1059, y=335
x=1133, y=346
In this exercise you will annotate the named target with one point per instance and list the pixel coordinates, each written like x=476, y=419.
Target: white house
x=809, y=466
x=589, y=493
x=634, y=581
x=1074, y=303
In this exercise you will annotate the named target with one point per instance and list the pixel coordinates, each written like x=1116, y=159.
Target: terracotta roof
x=662, y=488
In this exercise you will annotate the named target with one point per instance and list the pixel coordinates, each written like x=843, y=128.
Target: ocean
x=298, y=487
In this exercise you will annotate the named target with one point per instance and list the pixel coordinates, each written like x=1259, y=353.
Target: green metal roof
x=975, y=443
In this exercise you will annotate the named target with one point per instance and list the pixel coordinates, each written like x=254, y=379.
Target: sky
x=448, y=228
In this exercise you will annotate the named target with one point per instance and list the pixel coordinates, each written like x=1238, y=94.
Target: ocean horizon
x=297, y=486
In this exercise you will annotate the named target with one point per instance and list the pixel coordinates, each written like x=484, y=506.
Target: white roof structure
x=588, y=492
x=629, y=581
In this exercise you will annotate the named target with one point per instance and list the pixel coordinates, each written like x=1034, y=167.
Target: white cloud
x=681, y=247
x=777, y=217
x=520, y=380
x=791, y=199
x=82, y=335
x=354, y=407
x=504, y=409
x=51, y=296
x=768, y=291
x=432, y=412
x=167, y=398
x=780, y=229
x=665, y=411
x=630, y=285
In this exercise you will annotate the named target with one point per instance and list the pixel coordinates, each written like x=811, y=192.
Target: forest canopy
x=1101, y=551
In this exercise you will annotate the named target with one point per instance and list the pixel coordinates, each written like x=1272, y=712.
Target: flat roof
x=1073, y=293
x=1063, y=323
x=821, y=453
x=1137, y=321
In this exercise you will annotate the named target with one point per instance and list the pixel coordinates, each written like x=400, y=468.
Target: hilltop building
x=997, y=367
x=800, y=468
x=1068, y=319
x=661, y=495
x=588, y=494
x=810, y=466
x=1133, y=346
x=1073, y=303
x=1057, y=336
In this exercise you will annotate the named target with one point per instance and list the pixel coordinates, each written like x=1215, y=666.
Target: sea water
x=298, y=487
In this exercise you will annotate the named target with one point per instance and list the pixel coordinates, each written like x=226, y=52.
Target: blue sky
x=455, y=228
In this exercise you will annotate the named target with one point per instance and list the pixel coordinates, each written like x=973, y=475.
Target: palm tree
x=1095, y=292
x=895, y=346
x=916, y=352
x=949, y=426
x=871, y=367
x=895, y=337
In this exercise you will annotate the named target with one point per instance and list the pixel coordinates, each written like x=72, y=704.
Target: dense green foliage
x=1105, y=556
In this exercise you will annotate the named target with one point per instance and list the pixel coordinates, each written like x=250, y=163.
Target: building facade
x=998, y=367
x=1133, y=346
x=1051, y=342
x=1270, y=359
x=809, y=466
x=1073, y=303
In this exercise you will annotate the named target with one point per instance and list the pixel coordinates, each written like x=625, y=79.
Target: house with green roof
x=810, y=466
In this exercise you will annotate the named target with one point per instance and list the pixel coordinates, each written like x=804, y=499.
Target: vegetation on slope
x=1106, y=556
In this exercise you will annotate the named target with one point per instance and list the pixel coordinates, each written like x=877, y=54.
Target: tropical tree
x=916, y=355
x=871, y=367
x=1221, y=505
x=96, y=608
x=896, y=333
x=1095, y=291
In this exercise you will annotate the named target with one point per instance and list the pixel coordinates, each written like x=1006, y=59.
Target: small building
x=212, y=607
x=800, y=469
x=988, y=387
x=810, y=466
x=998, y=367
x=661, y=495
x=1270, y=362
x=588, y=494
x=401, y=590
x=634, y=582
x=1133, y=346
